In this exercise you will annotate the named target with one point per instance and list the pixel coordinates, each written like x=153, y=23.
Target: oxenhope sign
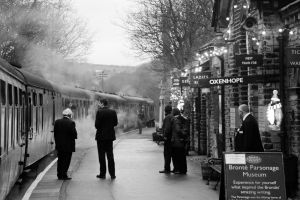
x=254, y=176
x=293, y=57
x=237, y=80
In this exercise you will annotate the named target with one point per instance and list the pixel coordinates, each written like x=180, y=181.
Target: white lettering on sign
x=249, y=58
x=200, y=77
x=294, y=62
x=221, y=81
x=253, y=62
x=295, y=51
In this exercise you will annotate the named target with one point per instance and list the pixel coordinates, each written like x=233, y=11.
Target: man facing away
x=106, y=120
x=64, y=135
x=248, y=137
x=167, y=134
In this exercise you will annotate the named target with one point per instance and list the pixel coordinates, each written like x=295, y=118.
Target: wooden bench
x=215, y=165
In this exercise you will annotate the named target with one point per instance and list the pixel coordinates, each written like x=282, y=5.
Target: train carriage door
x=29, y=117
x=3, y=137
x=10, y=117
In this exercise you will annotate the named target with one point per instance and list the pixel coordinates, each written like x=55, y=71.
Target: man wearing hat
x=64, y=135
x=248, y=137
x=167, y=134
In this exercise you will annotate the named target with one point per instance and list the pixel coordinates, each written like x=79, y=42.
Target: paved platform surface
x=138, y=160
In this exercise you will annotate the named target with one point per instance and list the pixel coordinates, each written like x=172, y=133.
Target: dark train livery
x=30, y=104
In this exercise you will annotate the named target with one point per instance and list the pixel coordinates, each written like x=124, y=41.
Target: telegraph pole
x=101, y=75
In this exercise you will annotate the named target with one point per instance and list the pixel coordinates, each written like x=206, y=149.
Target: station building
x=253, y=59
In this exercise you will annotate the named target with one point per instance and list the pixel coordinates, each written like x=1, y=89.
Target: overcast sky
x=104, y=18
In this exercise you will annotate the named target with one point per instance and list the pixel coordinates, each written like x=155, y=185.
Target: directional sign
x=249, y=60
x=205, y=83
x=293, y=57
x=195, y=77
x=184, y=82
x=175, y=82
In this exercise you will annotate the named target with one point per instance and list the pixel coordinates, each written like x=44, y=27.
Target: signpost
x=195, y=77
x=254, y=176
x=184, y=82
x=175, y=82
x=249, y=60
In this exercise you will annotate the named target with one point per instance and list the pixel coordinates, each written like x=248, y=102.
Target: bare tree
x=50, y=26
x=170, y=30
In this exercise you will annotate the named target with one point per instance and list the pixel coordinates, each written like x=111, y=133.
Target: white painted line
x=37, y=180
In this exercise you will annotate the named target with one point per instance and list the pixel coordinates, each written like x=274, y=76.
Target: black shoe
x=178, y=172
x=113, y=177
x=64, y=178
x=100, y=176
x=165, y=171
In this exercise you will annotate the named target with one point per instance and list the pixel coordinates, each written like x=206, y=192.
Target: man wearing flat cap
x=248, y=137
x=64, y=135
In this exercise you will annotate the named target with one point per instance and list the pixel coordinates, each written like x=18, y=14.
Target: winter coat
x=106, y=120
x=65, y=134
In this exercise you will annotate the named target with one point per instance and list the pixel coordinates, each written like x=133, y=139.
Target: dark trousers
x=167, y=155
x=106, y=147
x=179, y=159
x=63, y=163
x=140, y=126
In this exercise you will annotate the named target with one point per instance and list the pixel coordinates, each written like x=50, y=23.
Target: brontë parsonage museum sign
x=254, y=176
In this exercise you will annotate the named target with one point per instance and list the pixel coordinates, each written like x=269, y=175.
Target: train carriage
x=41, y=112
x=77, y=99
x=12, y=140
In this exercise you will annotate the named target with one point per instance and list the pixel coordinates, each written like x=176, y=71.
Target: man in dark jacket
x=248, y=138
x=64, y=135
x=106, y=120
x=167, y=134
x=178, y=141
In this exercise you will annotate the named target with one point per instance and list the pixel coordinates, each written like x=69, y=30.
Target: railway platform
x=138, y=160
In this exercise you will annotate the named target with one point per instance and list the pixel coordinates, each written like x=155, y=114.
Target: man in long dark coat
x=167, y=134
x=248, y=137
x=64, y=135
x=106, y=120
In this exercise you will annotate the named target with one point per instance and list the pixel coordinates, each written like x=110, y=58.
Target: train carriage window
x=9, y=91
x=34, y=98
x=2, y=133
x=20, y=97
x=3, y=92
x=41, y=99
x=16, y=96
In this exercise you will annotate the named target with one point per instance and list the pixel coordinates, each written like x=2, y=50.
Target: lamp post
x=161, y=104
x=282, y=39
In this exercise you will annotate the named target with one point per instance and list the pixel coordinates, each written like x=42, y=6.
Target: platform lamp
x=283, y=40
x=219, y=42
